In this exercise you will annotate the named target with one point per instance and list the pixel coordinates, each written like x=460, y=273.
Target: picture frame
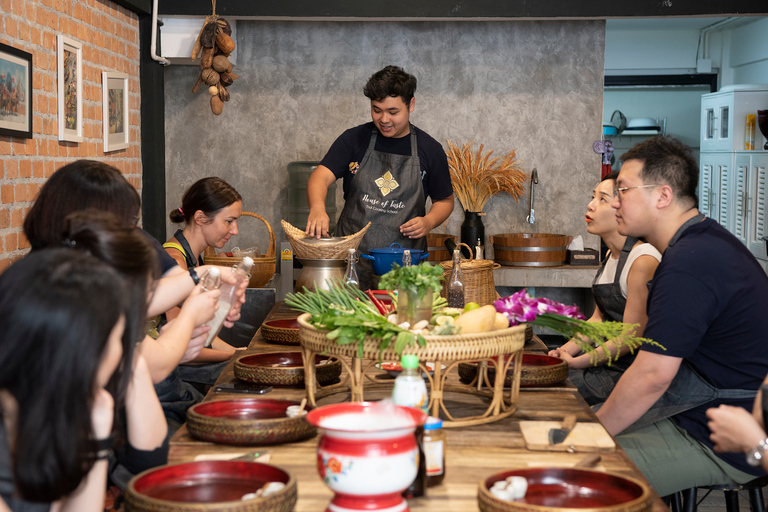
x=114, y=93
x=70, y=89
x=15, y=92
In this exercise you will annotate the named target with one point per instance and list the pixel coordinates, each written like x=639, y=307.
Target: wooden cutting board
x=585, y=437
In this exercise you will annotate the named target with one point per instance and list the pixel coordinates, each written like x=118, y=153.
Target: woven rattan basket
x=330, y=251
x=478, y=279
x=263, y=266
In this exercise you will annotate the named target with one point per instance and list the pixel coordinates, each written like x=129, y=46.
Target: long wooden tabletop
x=472, y=453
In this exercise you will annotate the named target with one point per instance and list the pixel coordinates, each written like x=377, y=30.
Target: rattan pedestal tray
x=442, y=350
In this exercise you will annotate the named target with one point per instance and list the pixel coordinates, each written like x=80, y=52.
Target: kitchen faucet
x=534, y=181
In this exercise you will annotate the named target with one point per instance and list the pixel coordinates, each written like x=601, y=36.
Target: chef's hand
x=734, y=429
x=417, y=227
x=318, y=223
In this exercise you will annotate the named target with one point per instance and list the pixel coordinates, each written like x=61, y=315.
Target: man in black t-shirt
x=389, y=168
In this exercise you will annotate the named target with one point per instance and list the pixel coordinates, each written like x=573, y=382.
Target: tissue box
x=586, y=257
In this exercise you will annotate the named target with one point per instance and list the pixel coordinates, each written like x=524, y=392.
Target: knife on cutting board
x=558, y=435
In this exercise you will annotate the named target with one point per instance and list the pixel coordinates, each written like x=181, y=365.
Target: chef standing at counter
x=389, y=168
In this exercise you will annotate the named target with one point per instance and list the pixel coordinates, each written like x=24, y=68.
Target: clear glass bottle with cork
x=350, y=276
x=456, y=283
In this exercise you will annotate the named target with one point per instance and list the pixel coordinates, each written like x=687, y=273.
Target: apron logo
x=354, y=167
x=386, y=183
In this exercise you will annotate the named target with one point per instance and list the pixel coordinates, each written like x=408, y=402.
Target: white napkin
x=577, y=244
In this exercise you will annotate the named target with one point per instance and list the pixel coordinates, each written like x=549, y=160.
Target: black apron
x=688, y=389
x=189, y=258
x=386, y=191
x=611, y=301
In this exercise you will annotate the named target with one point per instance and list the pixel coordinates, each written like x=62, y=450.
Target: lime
x=469, y=306
x=443, y=320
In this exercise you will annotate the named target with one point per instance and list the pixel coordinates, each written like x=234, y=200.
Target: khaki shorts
x=673, y=460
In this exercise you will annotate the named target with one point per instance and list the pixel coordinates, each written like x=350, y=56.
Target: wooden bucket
x=436, y=246
x=530, y=249
x=263, y=266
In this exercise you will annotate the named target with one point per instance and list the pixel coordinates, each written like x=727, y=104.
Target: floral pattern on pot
x=332, y=468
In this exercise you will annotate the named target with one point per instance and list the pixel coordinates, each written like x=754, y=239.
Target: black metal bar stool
x=753, y=487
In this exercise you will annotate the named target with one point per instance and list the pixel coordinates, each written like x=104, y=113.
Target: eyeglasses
x=618, y=192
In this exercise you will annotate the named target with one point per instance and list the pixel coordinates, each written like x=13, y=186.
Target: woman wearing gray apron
x=620, y=293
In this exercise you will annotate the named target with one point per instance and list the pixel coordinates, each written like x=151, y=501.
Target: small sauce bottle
x=749, y=133
x=434, y=451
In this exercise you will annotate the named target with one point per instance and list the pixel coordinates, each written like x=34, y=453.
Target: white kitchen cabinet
x=733, y=182
x=724, y=117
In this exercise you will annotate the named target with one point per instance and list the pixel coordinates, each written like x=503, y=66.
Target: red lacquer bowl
x=568, y=488
x=538, y=371
x=285, y=369
x=284, y=331
x=247, y=421
x=209, y=485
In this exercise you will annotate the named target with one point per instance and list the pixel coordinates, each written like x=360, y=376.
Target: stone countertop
x=565, y=276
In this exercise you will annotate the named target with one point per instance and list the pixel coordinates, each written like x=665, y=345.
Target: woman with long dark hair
x=62, y=317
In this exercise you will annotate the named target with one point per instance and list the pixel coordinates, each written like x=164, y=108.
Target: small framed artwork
x=15, y=92
x=114, y=87
x=70, y=67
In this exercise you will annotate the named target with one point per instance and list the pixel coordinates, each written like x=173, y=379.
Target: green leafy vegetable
x=416, y=278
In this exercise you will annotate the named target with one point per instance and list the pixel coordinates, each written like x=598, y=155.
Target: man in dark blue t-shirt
x=389, y=168
x=706, y=307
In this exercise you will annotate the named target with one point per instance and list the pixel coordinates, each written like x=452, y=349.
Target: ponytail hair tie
x=181, y=211
x=69, y=243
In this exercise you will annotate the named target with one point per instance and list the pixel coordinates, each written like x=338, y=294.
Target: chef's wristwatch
x=756, y=454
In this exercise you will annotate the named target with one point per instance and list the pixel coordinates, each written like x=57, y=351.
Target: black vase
x=472, y=228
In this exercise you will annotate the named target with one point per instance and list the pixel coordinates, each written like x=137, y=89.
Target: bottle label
x=410, y=393
x=433, y=453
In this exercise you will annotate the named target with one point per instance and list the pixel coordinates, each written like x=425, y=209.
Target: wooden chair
x=685, y=501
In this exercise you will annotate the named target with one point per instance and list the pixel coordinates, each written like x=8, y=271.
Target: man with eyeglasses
x=707, y=306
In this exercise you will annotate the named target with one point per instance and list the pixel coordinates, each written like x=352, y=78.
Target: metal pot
x=316, y=273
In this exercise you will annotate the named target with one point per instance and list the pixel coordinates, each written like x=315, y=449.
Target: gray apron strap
x=687, y=390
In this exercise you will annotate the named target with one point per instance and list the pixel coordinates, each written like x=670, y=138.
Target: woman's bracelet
x=104, y=447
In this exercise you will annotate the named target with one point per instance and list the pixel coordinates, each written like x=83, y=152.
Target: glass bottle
x=456, y=283
x=407, y=258
x=434, y=451
x=411, y=391
x=241, y=271
x=479, y=250
x=749, y=133
x=350, y=276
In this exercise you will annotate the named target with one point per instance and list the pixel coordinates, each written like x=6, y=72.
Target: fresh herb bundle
x=415, y=278
x=350, y=316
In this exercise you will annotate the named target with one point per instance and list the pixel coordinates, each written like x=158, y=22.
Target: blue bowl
x=610, y=130
x=383, y=259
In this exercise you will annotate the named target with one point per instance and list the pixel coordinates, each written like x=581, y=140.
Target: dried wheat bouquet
x=477, y=177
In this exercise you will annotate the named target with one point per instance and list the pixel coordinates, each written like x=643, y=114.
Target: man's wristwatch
x=756, y=454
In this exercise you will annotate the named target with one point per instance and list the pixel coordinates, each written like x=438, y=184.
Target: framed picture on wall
x=15, y=92
x=114, y=89
x=70, y=75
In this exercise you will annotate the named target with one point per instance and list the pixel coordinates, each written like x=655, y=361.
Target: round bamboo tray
x=263, y=266
x=210, y=486
x=283, y=331
x=568, y=490
x=330, y=251
x=436, y=246
x=530, y=249
x=444, y=351
x=538, y=371
x=284, y=369
x=478, y=279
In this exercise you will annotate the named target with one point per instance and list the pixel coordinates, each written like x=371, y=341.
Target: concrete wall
x=532, y=86
x=110, y=37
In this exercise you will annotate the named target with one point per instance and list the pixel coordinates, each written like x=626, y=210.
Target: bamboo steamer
x=436, y=246
x=263, y=266
x=530, y=249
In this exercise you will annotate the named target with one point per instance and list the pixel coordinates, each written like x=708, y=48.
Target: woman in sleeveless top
x=620, y=293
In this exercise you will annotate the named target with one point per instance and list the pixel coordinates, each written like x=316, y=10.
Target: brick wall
x=110, y=38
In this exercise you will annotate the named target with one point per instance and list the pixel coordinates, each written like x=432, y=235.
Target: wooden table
x=472, y=453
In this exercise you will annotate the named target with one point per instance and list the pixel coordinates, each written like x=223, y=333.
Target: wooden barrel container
x=436, y=246
x=530, y=249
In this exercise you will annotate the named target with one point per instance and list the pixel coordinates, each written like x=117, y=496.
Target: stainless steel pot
x=316, y=273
